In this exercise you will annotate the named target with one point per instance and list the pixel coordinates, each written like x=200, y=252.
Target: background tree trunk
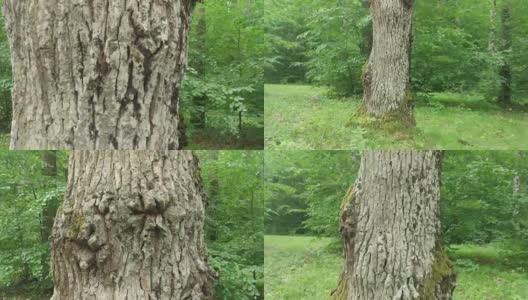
x=132, y=228
x=49, y=208
x=505, y=72
x=386, y=74
x=492, y=43
x=391, y=230
x=97, y=74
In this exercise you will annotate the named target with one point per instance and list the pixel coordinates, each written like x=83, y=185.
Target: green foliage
x=304, y=190
x=225, y=70
x=5, y=78
x=285, y=56
x=315, y=41
x=234, y=220
x=25, y=193
x=302, y=117
x=483, y=207
x=4, y=141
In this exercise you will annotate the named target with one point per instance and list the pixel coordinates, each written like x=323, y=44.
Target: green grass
x=299, y=268
x=302, y=117
x=304, y=268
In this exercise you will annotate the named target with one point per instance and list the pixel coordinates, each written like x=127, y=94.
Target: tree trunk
x=516, y=184
x=49, y=208
x=131, y=227
x=505, y=72
x=97, y=74
x=391, y=230
x=492, y=43
x=386, y=75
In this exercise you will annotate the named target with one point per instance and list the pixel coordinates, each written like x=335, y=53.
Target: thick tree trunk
x=132, y=228
x=97, y=74
x=505, y=72
x=386, y=74
x=391, y=230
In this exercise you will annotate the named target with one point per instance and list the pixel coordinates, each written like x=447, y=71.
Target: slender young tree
x=131, y=227
x=386, y=77
x=505, y=70
x=49, y=207
x=97, y=74
x=391, y=230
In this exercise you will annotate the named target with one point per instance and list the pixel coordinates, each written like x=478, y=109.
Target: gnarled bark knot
x=132, y=228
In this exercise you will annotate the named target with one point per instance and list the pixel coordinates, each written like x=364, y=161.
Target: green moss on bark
x=442, y=278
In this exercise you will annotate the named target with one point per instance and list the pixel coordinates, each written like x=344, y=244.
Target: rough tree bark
x=386, y=74
x=391, y=230
x=131, y=227
x=97, y=74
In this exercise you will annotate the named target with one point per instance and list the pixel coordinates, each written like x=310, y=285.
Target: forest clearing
x=307, y=267
x=305, y=117
x=452, y=75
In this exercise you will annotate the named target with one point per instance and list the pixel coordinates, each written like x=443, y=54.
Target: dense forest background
x=223, y=93
x=484, y=198
x=30, y=193
x=458, y=46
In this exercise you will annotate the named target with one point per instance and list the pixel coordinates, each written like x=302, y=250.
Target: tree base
x=392, y=124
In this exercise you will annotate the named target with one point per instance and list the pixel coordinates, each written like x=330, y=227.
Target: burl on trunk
x=131, y=227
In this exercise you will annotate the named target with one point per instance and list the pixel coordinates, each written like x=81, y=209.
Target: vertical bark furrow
x=132, y=226
x=391, y=230
x=71, y=87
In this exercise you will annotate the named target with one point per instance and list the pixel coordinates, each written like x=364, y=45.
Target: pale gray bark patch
x=131, y=227
x=391, y=230
x=386, y=74
x=97, y=74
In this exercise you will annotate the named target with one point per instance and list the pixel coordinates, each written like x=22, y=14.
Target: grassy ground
x=302, y=117
x=305, y=268
x=252, y=138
